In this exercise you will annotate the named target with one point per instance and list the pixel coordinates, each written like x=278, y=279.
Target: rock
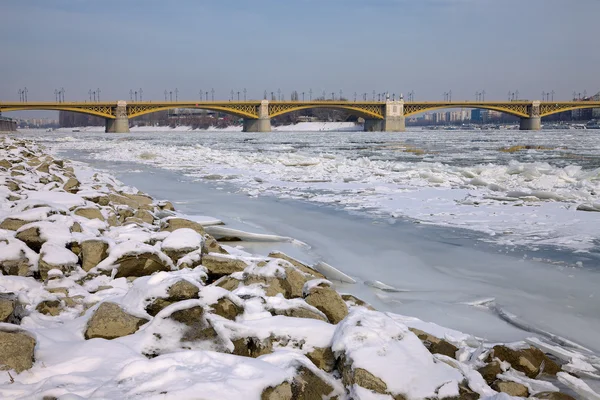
x=323, y=358
x=166, y=205
x=212, y=246
x=140, y=265
x=101, y=200
x=18, y=266
x=44, y=167
x=198, y=328
x=329, y=302
x=173, y=224
x=511, y=388
x=220, y=265
x=227, y=308
x=282, y=391
x=92, y=253
x=227, y=283
x=139, y=198
x=179, y=291
x=12, y=224
x=145, y=216
x=361, y=377
x=445, y=348
x=490, y=371
x=12, y=186
x=123, y=200
x=5, y=163
x=531, y=361
x=110, y=321
x=11, y=310
x=307, y=385
x=354, y=301
x=425, y=337
x=553, y=396
x=49, y=307
x=31, y=237
x=76, y=227
x=61, y=290
x=181, y=242
x=124, y=212
x=71, y=186
x=299, y=312
x=252, y=346
x=89, y=213
x=16, y=350
x=301, y=266
x=54, y=256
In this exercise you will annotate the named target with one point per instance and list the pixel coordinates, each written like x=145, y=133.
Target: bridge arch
x=238, y=110
x=367, y=111
x=517, y=109
x=103, y=111
x=551, y=109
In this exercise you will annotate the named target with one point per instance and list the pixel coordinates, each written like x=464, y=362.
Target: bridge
x=387, y=116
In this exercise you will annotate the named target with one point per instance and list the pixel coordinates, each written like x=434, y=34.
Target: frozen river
x=465, y=229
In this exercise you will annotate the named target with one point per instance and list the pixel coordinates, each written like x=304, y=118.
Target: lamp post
x=98, y=91
x=170, y=95
x=279, y=94
x=56, y=95
x=131, y=94
x=200, y=93
x=244, y=94
x=310, y=94
x=141, y=91
x=90, y=93
x=165, y=94
x=176, y=94
x=355, y=97
x=212, y=94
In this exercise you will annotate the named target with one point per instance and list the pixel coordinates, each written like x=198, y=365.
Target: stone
x=133, y=220
x=329, y=302
x=307, y=385
x=49, y=307
x=228, y=283
x=139, y=198
x=140, y=265
x=211, y=245
x=31, y=237
x=227, y=308
x=530, y=361
x=511, y=388
x=12, y=185
x=110, y=322
x=301, y=266
x=92, y=253
x=101, y=200
x=47, y=262
x=76, y=227
x=553, y=396
x=18, y=266
x=44, y=167
x=445, y=348
x=173, y=224
x=123, y=200
x=323, y=358
x=11, y=310
x=180, y=290
x=252, y=346
x=16, y=350
x=71, y=186
x=355, y=301
x=198, y=328
x=490, y=371
x=89, y=213
x=361, y=377
x=145, y=216
x=282, y=391
x=124, y=212
x=5, y=163
x=299, y=312
x=166, y=205
x=61, y=290
x=218, y=265
x=12, y=224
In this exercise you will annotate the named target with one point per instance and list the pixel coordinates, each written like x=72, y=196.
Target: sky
x=426, y=46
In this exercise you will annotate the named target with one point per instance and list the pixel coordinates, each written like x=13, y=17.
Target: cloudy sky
x=429, y=46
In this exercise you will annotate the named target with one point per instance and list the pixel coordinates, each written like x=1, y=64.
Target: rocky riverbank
x=106, y=292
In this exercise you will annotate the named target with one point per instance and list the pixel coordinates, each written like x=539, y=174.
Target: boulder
x=181, y=242
x=15, y=264
x=71, y=186
x=511, y=388
x=173, y=224
x=252, y=346
x=308, y=385
x=301, y=266
x=145, y=216
x=445, y=348
x=5, y=163
x=16, y=350
x=530, y=361
x=92, y=253
x=140, y=265
x=49, y=307
x=179, y=291
x=198, y=328
x=553, y=396
x=323, y=358
x=12, y=224
x=353, y=301
x=166, y=205
x=227, y=308
x=89, y=213
x=54, y=256
x=139, y=198
x=300, y=312
x=490, y=372
x=282, y=391
x=31, y=237
x=361, y=377
x=220, y=265
x=100, y=199
x=212, y=246
x=328, y=301
x=109, y=321
x=123, y=200
x=11, y=310
x=44, y=167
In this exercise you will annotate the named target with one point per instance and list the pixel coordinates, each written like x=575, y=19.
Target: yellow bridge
x=379, y=115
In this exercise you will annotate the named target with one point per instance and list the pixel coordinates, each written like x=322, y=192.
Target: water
x=251, y=182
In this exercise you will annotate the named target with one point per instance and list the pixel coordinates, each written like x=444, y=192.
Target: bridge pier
x=394, y=120
x=534, y=122
x=121, y=123
x=263, y=123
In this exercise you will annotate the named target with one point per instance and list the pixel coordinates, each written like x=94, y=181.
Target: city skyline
x=429, y=47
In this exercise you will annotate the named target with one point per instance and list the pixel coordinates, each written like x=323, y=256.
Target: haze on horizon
x=429, y=46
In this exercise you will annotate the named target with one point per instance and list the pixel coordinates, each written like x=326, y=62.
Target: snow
x=58, y=255
x=183, y=239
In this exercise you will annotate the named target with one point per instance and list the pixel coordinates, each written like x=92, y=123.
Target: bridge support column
x=394, y=120
x=121, y=123
x=263, y=123
x=534, y=122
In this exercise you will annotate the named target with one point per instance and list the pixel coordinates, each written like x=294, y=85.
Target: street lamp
x=170, y=95
x=56, y=95
x=98, y=91
x=244, y=94
x=141, y=91
x=212, y=93
x=176, y=94
x=130, y=94
x=200, y=93
x=279, y=94
x=310, y=94
x=90, y=93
